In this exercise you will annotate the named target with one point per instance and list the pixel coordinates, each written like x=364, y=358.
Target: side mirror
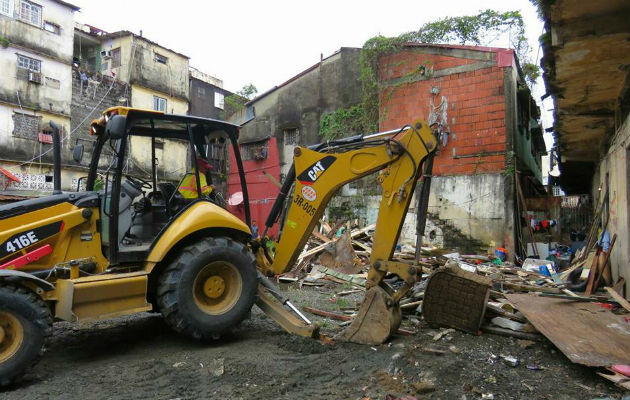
x=77, y=153
x=115, y=127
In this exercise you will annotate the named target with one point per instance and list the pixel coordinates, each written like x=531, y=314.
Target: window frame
x=157, y=100
x=29, y=60
x=293, y=134
x=54, y=28
x=160, y=58
x=29, y=19
x=220, y=104
x=10, y=7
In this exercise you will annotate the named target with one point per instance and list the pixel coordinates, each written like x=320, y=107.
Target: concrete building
x=123, y=68
x=207, y=96
x=158, y=76
x=480, y=98
x=586, y=60
x=35, y=88
x=287, y=115
x=291, y=112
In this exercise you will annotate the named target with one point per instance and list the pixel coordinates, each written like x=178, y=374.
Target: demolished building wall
x=475, y=90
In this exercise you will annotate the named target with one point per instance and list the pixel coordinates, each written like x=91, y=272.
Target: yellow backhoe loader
x=130, y=241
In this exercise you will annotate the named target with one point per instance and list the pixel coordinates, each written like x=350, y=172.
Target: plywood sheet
x=585, y=332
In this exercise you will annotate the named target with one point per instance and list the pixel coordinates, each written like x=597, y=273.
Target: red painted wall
x=476, y=102
x=262, y=191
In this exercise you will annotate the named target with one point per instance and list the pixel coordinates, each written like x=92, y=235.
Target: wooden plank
x=356, y=234
x=510, y=333
x=362, y=245
x=564, y=275
x=571, y=326
x=591, y=276
x=327, y=314
x=621, y=283
x=320, y=236
x=622, y=302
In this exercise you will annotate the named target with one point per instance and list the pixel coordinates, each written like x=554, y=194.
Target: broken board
x=585, y=332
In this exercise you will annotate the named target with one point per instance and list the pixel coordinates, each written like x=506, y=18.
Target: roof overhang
x=586, y=63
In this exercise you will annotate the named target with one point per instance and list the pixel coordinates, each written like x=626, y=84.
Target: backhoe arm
x=320, y=174
x=398, y=156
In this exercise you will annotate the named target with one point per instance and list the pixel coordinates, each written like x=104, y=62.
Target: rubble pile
x=483, y=294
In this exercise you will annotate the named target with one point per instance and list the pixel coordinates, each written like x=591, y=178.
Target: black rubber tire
x=36, y=321
x=175, y=288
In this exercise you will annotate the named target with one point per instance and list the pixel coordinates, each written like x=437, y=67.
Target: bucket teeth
x=376, y=320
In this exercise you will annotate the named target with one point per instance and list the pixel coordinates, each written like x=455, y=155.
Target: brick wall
x=473, y=85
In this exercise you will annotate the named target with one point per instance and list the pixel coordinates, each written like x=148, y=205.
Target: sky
x=267, y=42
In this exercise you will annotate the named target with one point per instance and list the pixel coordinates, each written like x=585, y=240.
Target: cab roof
x=163, y=125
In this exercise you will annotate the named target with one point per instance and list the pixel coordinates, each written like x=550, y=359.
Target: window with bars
x=26, y=126
x=159, y=103
x=116, y=58
x=31, y=13
x=254, y=151
x=28, y=63
x=291, y=136
x=6, y=6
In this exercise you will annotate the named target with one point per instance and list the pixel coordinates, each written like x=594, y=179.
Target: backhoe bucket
x=375, y=322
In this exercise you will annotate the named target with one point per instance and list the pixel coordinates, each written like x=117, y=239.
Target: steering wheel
x=138, y=183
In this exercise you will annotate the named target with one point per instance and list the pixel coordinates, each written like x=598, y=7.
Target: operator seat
x=128, y=192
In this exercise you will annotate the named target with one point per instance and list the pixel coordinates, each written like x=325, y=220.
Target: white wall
x=616, y=163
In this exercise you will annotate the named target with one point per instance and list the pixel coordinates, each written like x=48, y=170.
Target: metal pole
x=422, y=204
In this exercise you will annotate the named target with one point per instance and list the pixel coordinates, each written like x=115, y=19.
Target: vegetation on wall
x=478, y=29
x=236, y=101
x=343, y=122
x=4, y=43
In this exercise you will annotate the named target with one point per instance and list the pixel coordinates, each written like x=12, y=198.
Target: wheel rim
x=217, y=287
x=11, y=335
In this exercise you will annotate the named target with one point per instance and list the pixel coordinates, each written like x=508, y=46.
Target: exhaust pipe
x=56, y=159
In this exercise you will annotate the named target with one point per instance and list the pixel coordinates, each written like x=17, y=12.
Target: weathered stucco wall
x=14, y=148
x=52, y=94
x=300, y=103
x=616, y=164
x=138, y=66
x=474, y=205
x=142, y=97
x=52, y=45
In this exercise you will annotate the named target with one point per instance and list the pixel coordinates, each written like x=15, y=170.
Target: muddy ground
x=139, y=357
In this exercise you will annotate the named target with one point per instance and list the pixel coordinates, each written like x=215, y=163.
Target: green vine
x=477, y=30
x=4, y=43
x=343, y=121
x=236, y=101
x=510, y=164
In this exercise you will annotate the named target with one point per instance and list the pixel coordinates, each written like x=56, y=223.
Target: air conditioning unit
x=35, y=77
x=106, y=54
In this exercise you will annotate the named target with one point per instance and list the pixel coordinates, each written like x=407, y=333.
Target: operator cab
x=147, y=167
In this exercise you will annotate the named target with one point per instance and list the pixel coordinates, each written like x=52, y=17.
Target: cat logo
x=312, y=173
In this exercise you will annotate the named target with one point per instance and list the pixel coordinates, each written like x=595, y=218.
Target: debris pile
x=483, y=294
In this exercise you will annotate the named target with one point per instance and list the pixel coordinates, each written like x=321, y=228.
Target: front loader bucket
x=375, y=322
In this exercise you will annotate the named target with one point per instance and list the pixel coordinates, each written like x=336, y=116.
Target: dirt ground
x=139, y=357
